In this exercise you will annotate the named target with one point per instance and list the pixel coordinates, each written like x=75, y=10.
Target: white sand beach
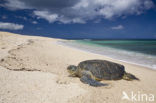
x=33, y=70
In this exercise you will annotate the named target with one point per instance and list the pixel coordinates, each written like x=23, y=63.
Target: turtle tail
x=129, y=77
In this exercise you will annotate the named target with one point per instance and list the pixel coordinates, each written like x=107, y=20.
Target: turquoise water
x=140, y=52
x=140, y=46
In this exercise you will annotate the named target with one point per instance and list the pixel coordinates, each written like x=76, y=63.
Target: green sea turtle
x=93, y=71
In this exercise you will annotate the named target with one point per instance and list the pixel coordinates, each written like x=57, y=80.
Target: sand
x=33, y=70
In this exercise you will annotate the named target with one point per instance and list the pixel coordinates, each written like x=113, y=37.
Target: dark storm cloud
x=50, y=4
x=40, y=4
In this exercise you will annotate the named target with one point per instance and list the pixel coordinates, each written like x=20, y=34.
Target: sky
x=77, y=19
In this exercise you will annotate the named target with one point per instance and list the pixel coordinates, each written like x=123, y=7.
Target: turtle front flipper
x=87, y=79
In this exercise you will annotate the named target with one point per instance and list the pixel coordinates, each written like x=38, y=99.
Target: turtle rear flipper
x=129, y=77
x=86, y=78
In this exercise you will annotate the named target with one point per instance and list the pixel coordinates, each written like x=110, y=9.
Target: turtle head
x=72, y=70
x=129, y=77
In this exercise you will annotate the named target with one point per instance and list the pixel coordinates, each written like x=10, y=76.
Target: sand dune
x=33, y=70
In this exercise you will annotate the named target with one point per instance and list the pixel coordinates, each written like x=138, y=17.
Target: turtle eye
x=73, y=69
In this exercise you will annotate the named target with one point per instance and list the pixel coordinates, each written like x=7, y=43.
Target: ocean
x=140, y=52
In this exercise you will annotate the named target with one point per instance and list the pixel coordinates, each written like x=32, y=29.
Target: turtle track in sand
x=6, y=61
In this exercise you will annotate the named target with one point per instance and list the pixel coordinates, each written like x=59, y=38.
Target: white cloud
x=119, y=27
x=72, y=20
x=78, y=20
x=4, y=17
x=10, y=26
x=22, y=17
x=34, y=22
x=15, y=5
x=54, y=17
x=46, y=15
x=80, y=11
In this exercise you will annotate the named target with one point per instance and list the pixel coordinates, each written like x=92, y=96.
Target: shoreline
x=124, y=61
